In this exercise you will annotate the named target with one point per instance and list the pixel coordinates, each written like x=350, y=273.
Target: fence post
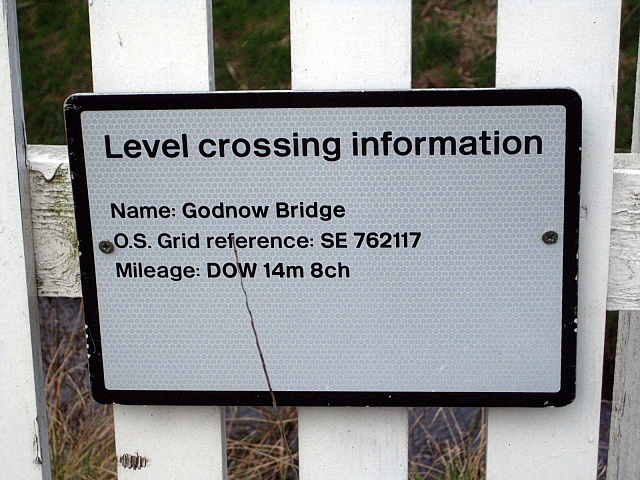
x=159, y=46
x=566, y=44
x=359, y=44
x=24, y=443
x=624, y=438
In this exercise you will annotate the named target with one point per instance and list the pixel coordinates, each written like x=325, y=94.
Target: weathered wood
x=159, y=46
x=362, y=443
x=565, y=44
x=55, y=238
x=624, y=261
x=624, y=436
x=359, y=44
x=24, y=443
x=54, y=224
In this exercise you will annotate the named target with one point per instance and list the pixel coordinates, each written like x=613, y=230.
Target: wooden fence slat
x=159, y=46
x=624, y=262
x=624, y=436
x=151, y=436
x=54, y=223
x=24, y=443
x=624, y=265
x=58, y=272
x=558, y=44
x=151, y=45
x=354, y=45
x=359, y=44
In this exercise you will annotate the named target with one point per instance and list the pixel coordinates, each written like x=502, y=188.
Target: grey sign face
x=390, y=254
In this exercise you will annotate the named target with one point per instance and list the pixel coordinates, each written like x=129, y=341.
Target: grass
x=459, y=456
x=56, y=61
x=251, y=41
x=627, y=73
x=454, y=43
x=255, y=448
x=81, y=435
x=453, y=46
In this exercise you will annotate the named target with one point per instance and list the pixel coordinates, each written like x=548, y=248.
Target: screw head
x=106, y=246
x=550, y=237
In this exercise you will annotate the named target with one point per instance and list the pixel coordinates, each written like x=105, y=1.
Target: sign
x=390, y=248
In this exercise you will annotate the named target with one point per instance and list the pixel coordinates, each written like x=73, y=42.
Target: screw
x=105, y=246
x=550, y=237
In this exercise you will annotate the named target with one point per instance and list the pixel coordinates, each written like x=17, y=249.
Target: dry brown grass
x=460, y=456
x=81, y=435
x=255, y=448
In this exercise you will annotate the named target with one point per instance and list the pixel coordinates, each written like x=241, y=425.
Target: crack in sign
x=264, y=365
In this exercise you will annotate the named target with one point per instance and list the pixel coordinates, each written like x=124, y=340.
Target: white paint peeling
x=46, y=159
x=54, y=226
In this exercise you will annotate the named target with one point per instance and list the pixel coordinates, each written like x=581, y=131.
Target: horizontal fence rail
x=58, y=271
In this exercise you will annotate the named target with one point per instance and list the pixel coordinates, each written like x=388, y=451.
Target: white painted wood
x=359, y=44
x=55, y=240
x=624, y=261
x=568, y=43
x=54, y=224
x=356, y=44
x=24, y=444
x=58, y=273
x=151, y=45
x=161, y=46
x=358, y=443
x=624, y=265
x=624, y=437
x=172, y=438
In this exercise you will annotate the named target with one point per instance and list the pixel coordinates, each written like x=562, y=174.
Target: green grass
x=56, y=61
x=453, y=43
x=252, y=44
x=627, y=73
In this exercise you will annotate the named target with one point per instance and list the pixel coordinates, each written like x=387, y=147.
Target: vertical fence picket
x=159, y=46
x=566, y=44
x=24, y=444
x=624, y=439
x=360, y=44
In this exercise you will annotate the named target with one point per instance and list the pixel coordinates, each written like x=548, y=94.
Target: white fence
x=167, y=46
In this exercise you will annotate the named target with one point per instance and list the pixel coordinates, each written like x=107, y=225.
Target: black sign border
x=76, y=104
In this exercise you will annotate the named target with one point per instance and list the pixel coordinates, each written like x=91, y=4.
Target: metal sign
x=384, y=248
